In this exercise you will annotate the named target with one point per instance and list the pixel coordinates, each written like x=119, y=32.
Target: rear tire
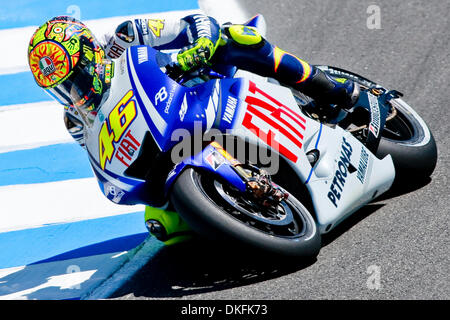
x=202, y=202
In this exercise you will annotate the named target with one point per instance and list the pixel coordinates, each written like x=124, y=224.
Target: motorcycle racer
x=76, y=69
x=199, y=38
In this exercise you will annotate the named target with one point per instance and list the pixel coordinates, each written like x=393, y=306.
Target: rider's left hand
x=196, y=55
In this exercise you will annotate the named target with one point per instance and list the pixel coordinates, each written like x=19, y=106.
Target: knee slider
x=245, y=35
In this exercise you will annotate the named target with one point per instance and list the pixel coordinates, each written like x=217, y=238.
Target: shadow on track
x=199, y=266
x=399, y=188
x=404, y=186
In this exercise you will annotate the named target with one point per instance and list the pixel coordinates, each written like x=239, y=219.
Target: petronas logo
x=46, y=65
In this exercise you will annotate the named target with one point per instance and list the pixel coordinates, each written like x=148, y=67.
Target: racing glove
x=197, y=54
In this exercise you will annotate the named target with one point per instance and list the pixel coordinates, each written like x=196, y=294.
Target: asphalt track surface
x=404, y=235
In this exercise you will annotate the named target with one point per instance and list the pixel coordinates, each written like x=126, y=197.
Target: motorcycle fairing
x=258, y=111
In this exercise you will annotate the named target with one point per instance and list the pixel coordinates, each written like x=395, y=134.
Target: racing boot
x=167, y=226
x=330, y=94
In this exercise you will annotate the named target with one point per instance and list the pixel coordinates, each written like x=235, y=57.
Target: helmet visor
x=78, y=89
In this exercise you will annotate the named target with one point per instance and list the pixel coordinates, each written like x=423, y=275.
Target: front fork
x=376, y=102
x=258, y=182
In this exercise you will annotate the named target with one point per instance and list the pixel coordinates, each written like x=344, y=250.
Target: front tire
x=410, y=143
x=206, y=204
x=406, y=137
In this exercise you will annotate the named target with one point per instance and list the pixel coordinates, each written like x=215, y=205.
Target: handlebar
x=173, y=70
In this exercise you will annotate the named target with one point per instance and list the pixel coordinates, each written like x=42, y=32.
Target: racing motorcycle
x=198, y=143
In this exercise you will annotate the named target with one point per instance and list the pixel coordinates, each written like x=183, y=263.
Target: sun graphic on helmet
x=55, y=49
x=49, y=63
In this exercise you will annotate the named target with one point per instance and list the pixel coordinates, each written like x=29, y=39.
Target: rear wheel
x=219, y=211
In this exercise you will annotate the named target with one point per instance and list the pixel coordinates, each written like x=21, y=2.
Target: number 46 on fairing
x=114, y=127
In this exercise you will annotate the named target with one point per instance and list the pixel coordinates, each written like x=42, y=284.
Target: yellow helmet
x=67, y=62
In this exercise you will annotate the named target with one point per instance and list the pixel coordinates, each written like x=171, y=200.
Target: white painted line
x=32, y=125
x=12, y=70
x=35, y=205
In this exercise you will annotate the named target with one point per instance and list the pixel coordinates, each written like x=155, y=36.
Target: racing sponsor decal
x=223, y=152
x=127, y=148
x=122, y=65
x=183, y=109
x=156, y=25
x=144, y=27
x=282, y=121
x=113, y=130
x=340, y=73
x=47, y=67
x=214, y=159
x=161, y=95
x=109, y=72
x=343, y=74
x=362, y=167
x=374, y=125
x=230, y=109
x=115, y=49
x=342, y=171
x=113, y=193
x=169, y=101
x=142, y=54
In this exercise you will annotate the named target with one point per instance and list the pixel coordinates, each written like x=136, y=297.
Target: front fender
x=210, y=159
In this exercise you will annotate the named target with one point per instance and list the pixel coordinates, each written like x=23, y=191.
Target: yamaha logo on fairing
x=203, y=26
x=362, y=167
x=142, y=55
x=230, y=109
x=338, y=182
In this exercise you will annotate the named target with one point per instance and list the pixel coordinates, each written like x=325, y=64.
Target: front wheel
x=409, y=141
x=218, y=211
x=406, y=137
